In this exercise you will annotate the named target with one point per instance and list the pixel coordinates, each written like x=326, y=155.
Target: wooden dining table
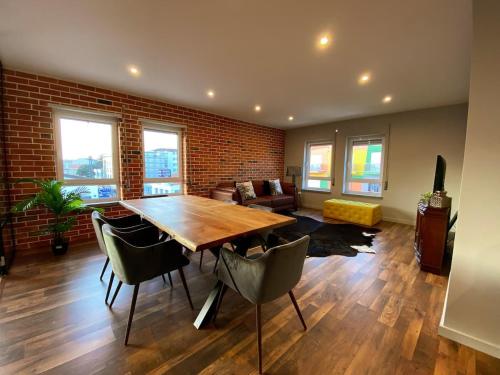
x=201, y=223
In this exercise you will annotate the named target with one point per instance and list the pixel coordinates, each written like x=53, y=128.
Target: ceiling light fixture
x=387, y=99
x=210, y=93
x=290, y=118
x=323, y=41
x=257, y=108
x=364, y=78
x=133, y=70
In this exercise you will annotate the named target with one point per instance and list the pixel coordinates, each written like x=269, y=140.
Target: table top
x=200, y=223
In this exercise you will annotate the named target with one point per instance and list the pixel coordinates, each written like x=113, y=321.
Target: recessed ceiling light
x=364, y=78
x=290, y=118
x=387, y=99
x=257, y=108
x=134, y=70
x=210, y=93
x=323, y=41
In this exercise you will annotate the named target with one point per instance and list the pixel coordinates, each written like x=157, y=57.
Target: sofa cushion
x=275, y=187
x=282, y=200
x=264, y=200
x=246, y=190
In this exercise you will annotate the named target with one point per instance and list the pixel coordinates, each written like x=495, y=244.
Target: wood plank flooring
x=370, y=314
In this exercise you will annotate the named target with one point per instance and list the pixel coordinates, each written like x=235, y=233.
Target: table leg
x=208, y=308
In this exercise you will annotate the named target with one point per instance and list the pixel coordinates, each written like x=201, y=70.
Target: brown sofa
x=286, y=201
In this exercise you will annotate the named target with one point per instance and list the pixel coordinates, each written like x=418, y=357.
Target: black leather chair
x=134, y=260
x=263, y=277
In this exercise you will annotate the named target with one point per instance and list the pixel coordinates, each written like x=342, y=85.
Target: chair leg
x=219, y=301
x=131, y=313
x=201, y=257
x=259, y=336
x=294, y=301
x=163, y=277
x=116, y=293
x=104, y=268
x=183, y=278
x=109, y=287
x=215, y=265
x=170, y=279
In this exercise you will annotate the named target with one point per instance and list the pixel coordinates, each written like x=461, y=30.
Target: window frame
x=164, y=128
x=82, y=115
x=305, y=173
x=348, y=167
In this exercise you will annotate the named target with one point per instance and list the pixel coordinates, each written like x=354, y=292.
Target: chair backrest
x=266, y=277
x=98, y=221
x=283, y=268
x=131, y=264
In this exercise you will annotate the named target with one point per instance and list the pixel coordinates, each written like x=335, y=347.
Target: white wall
x=416, y=138
x=472, y=309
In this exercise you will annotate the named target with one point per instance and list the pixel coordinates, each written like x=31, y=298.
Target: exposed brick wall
x=218, y=148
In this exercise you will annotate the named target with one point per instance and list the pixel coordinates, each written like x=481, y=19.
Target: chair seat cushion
x=263, y=200
x=282, y=200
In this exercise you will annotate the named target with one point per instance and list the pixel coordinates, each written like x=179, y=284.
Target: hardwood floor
x=371, y=314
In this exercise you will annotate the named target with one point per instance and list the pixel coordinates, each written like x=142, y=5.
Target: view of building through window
x=318, y=167
x=364, y=174
x=86, y=150
x=161, y=162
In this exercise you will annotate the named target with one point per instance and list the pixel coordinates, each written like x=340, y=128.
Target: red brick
x=220, y=148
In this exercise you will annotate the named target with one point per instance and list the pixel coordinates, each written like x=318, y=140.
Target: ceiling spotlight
x=134, y=70
x=387, y=99
x=323, y=41
x=257, y=108
x=364, y=78
x=210, y=93
x=290, y=118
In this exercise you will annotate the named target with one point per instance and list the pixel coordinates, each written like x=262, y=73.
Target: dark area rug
x=327, y=239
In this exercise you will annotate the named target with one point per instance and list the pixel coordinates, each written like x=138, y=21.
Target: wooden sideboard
x=431, y=233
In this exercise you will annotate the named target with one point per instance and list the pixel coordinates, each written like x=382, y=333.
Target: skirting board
x=470, y=341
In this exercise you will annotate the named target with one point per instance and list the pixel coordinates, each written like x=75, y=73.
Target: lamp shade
x=294, y=171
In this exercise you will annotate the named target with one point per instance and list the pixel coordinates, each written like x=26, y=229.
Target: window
x=318, y=166
x=364, y=166
x=162, y=159
x=87, y=154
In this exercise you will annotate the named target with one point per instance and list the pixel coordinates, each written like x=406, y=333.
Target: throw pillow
x=246, y=190
x=275, y=187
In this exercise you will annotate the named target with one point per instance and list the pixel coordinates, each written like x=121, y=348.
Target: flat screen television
x=440, y=174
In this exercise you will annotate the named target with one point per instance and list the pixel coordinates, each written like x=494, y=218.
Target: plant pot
x=60, y=247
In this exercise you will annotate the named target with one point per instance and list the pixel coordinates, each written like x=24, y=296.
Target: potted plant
x=425, y=198
x=62, y=203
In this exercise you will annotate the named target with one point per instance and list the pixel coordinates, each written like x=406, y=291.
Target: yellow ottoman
x=353, y=212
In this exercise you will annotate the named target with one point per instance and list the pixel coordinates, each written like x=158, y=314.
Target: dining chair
x=125, y=224
x=263, y=277
x=129, y=222
x=133, y=262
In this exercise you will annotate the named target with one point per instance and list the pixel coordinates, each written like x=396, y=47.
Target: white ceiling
x=251, y=52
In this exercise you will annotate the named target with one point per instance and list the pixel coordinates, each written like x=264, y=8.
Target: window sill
x=317, y=191
x=101, y=204
x=363, y=195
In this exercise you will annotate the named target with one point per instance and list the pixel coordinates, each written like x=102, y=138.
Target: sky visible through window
x=84, y=139
x=154, y=140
